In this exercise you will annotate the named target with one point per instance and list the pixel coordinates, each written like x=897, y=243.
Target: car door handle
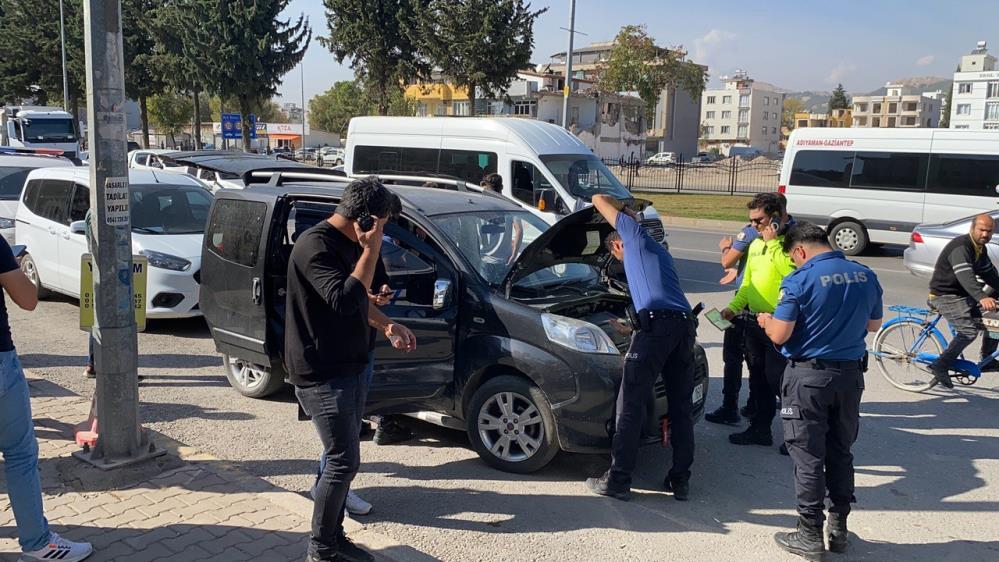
x=256, y=290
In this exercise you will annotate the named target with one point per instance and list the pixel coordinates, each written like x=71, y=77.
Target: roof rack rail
x=425, y=181
x=281, y=175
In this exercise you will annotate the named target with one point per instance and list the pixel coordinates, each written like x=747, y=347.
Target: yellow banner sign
x=140, y=269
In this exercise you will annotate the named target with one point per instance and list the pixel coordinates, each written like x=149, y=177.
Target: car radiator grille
x=655, y=229
x=197, y=277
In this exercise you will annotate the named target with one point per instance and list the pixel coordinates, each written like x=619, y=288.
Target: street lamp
x=62, y=41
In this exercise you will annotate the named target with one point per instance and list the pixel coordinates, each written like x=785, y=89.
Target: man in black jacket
x=328, y=340
x=959, y=296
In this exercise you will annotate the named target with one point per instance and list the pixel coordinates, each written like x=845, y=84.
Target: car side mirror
x=78, y=227
x=442, y=294
x=547, y=200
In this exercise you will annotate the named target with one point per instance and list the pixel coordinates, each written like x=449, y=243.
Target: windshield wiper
x=145, y=230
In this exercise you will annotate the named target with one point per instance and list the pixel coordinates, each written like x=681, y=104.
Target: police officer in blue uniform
x=662, y=344
x=826, y=308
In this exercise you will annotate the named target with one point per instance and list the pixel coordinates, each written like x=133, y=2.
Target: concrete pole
x=121, y=440
x=65, y=79
x=568, y=65
x=303, y=106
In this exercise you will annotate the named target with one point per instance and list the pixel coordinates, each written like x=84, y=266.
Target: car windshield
x=584, y=176
x=489, y=239
x=170, y=209
x=12, y=182
x=49, y=130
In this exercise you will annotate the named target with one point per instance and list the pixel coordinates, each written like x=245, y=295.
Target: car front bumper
x=173, y=294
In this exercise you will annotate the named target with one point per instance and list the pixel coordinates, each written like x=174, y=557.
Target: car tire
x=848, y=237
x=536, y=444
x=30, y=269
x=339, y=162
x=249, y=379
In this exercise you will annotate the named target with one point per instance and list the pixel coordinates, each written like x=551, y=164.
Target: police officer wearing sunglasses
x=825, y=311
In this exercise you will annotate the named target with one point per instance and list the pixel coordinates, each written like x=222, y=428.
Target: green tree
x=241, y=48
x=839, y=99
x=377, y=37
x=948, y=101
x=266, y=111
x=143, y=78
x=791, y=106
x=170, y=112
x=637, y=64
x=333, y=109
x=31, y=63
x=477, y=43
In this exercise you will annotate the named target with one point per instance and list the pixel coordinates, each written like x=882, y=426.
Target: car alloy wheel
x=251, y=379
x=246, y=374
x=511, y=427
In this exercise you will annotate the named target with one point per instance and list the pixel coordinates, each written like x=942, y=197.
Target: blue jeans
x=366, y=380
x=20, y=454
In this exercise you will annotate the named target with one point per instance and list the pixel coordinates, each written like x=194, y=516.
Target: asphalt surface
x=927, y=464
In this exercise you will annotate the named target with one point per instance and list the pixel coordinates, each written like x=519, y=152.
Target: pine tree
x=142, y=76
x=477, y=43
x=839, y=99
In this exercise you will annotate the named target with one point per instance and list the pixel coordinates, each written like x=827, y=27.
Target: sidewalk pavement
x=181, y=507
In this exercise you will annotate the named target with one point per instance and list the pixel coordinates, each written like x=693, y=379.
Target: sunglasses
x=758, y=221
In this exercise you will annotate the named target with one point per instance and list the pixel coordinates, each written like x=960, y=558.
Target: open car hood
x=577, y=238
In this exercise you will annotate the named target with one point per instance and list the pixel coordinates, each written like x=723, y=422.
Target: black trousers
x=766, y=367
x=821, y=412
x=666, y=349
x=733, y=355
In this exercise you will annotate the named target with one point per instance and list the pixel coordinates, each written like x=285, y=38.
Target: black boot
x=805, y=542
x=604, y=487
x=836, y=527
x=391, y=431
x=942, y=376
x=679, y=486
x=727, y=413
x=752, y=436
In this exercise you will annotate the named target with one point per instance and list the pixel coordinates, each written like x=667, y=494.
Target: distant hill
x=818, y=101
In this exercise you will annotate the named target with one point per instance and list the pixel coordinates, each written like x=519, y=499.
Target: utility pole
x=65, y=80
x=121, y=440
x=303, y=105
x=568, y=65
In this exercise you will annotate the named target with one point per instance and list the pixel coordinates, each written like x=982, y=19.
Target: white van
x=875, y=185
x=545, y=169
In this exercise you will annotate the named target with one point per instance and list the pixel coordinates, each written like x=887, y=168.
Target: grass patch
x=695, y=206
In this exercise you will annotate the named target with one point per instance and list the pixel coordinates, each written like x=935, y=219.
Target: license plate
x=698, y=394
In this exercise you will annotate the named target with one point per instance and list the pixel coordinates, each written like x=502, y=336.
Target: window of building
x=709, y=130
x=963, y=174
x=992, y=111
x=235, y=229
x=892, y=107
x=993, y=90
x=964, y=109
x=876, y=108
x=711, y=99
x=911, y=106
x=726, y=115
x=744, y=115
x=990, y=126
x=891, y=122
x=821, y=168
x=744, y=100
x=421, y=109
x=765, y=129
x=861, y=108
x=526, y=108
x=461, y=108
x=889, y=170
x=743, y=131
x=726, y=99
x=964, y=88
x=766, y=100
x=860, y=121
x=440, y=109
x=909, y=121
x=802, y=123
x=773, y=130
x=726, y=130
x=876, y=122
x=710, y=115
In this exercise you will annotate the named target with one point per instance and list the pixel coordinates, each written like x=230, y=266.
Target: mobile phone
x=384, y=293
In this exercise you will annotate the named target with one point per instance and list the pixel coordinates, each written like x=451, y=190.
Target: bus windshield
x=49, y=130
x=584, y=175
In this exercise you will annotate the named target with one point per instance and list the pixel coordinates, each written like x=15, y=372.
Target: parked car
x=168, y=213
x=153, y=159
x=534, y=338
x=661, y=159
x=928, y=240
x=330, y=155
x=705, y=158
x=15, y=164
x=224, y=169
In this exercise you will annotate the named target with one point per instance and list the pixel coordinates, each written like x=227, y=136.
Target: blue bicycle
x=907, y=344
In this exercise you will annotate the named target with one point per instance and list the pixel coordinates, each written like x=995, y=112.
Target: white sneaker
x=59, y=549
x=356, y=506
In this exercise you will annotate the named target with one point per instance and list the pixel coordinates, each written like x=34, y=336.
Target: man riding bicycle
x=959, y=296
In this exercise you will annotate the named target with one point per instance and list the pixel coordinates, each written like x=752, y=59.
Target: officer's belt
x=647, y=318
x=826, y=364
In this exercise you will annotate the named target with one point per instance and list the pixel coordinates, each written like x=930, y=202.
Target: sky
x=794, y=44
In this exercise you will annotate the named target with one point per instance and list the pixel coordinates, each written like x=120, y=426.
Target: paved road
x=928, y=465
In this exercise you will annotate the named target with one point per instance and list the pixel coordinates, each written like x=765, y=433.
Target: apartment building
x=898, y=108
x=804, y=119
x=741, y=113
x=674, y=126
x=976, y=91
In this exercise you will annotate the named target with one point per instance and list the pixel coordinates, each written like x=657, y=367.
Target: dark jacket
x=957, y=268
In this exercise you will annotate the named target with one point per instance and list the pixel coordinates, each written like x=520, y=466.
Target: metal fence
x=730, y=175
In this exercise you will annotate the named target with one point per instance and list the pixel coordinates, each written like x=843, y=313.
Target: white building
x=741, y=113
x=897, y=108
x=976, y=91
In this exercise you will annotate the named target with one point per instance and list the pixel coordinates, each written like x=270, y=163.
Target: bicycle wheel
x=895, y=354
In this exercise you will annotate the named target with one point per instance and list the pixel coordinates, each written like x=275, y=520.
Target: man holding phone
x=328, y=341
x=766, y=266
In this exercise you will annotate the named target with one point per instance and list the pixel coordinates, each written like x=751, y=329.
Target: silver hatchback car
x=928, y=240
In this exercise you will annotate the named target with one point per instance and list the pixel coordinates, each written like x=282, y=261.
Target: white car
x=168, y=214
x=330, y=156
x=661, y=159
x=151, y=159
x=14, y=168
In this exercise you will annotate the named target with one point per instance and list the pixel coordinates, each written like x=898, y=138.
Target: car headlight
x=577, y=335
x=166, y=261
x=6, y=223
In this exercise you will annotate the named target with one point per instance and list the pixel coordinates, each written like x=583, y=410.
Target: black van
x=522, y=354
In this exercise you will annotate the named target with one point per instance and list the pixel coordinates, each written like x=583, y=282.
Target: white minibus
x=874, y=185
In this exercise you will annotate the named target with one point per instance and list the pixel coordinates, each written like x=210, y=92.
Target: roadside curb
x=384, y=547
x=730, y=227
